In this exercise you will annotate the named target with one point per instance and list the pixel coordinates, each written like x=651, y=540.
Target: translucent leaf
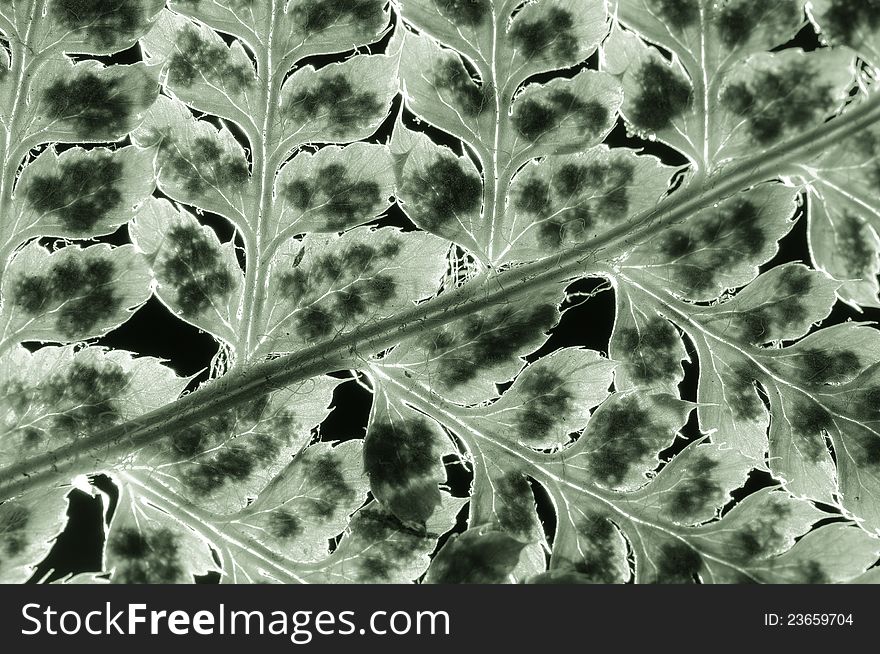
x=503, y=502
x=80, y=192
x=830, y=554
x=780, y=305
x=71, y=294
x=87, y=102
x=720, y=248
x=402, y=457
x=338, y=103
x=850, y=23
x=720, y=96
x=95, y=26
x=588, y=548
x=563, y=115
x=720, y=29
x=285, y=141
x=848, y=414
x=467, y=71
x=440, y=191
x=799, y=448
x=28, y=526
x=196, y=161
x=693, y=486
x=818, y=390
x=624, y=436
x=463, y=360
x=478, y=556
x=560, y=201
x=327, y=285
x=262, y=543
x=845, y=216
x=547, y=401
x=826, y=73
x=334, y=189
x=647, y=344
x=379, y=549
x=551, y=398
x=204, y=72
x=675, y=525
x=729, y=402
x=755, y=532
x=147, y=546
x=440, y=88
x=198, y=277
x=309, y=502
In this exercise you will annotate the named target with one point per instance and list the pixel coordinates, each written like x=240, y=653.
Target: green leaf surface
x=401, y=225
x=722, y=94
x=466, y=71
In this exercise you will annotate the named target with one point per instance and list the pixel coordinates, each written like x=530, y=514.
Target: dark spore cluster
x=678, y=563
x=335, y=101
x=488, y=339
x=809, y=423
x=515, y=504
x=14, y=519
x=761, y=536
x=194, y=269
x=442, y=191
x=662, y=96
x=598, y=536
x=146, y=555
x=390, y=544
x=855, y=243
x=578, y=196
x=778, y=101
x=284, y=524
x=82, y=193
x=476, y=559
x=652, y=350
x=355, y=272
x=618, y=437
x=340, y=199
x=83, y=399
x=205, y=164
x=545, y=402
x=534, y=117
x=696, y=491
x=195, y=57
x=326, y=479
x=104, y=21
x=318, y=15
x=845, y=19
x=821, y=366
x=83, y=291
x=469, y=13
x=402, y=458
x=743, y=399
x=93, y=104
x=551, y=35
x=715, y=242
x=761, y=324
x=678, y=13
x=472, y=97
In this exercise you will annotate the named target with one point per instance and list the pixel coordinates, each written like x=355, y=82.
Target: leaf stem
x=257, y=265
